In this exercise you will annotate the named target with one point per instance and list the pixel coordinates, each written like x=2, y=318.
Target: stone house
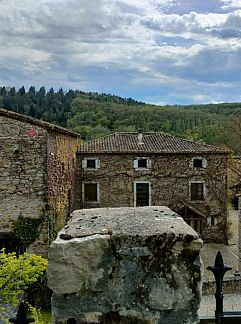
x=37, y=173
x=234, y=180
x=143, y=169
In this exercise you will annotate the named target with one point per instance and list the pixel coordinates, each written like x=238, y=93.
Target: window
x=212, y=220
x=197, y=190
x=91, y=163
x=90, y=192
x=198, y=162
x=142, y=163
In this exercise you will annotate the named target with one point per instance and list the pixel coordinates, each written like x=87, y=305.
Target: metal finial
x=219, y=269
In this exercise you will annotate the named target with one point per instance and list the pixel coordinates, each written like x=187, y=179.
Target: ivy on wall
x=53, y=229
x=27, y=229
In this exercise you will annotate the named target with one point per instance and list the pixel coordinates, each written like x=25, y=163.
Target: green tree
x=16, y=275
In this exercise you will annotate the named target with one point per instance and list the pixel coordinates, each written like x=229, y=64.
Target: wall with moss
x=61, y=177
x=23, y=174
x=37, y=167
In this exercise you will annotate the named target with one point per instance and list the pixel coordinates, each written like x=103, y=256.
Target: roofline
x=37, y=122
x=220, y=150
x=152, y=152
x=193, y=209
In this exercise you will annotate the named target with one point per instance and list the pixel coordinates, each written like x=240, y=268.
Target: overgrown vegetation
x=17, y=274
x=27, y=229
x=94, y=115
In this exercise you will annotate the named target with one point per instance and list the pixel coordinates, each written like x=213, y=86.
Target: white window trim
x=97, y=163
x=83, y=192
x=209, y=221
x=204, y=162
x=204, y=189
x=135, y=183
x=142, y=158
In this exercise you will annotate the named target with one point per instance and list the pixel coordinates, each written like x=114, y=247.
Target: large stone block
x=125, y=265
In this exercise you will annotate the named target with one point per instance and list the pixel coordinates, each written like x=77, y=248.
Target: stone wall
x=125, y=265
x=37, y=172
x=239, y=231
x=231, y=285
x=61, y=177
x=169, y=176
x=23, y=172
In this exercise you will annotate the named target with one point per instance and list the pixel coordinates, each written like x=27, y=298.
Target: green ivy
x=27, y=229
x=53, y=230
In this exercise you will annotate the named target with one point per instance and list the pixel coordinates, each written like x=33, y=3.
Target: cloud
x=230, y=4
x=122, y=46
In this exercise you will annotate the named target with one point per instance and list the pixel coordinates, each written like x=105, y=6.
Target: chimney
x=140, y=137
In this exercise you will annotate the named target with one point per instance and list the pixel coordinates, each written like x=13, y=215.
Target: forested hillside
x=94, y=115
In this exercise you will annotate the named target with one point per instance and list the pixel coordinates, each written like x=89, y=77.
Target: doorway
x=142, y=193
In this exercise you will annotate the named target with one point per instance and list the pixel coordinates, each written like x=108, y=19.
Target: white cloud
x=229, y=4
x=133, y=40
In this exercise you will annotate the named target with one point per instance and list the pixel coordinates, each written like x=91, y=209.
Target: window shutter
x=84, y=164
x=136, y=164
x=97, y=163
x=204, y=163
x=149, y=164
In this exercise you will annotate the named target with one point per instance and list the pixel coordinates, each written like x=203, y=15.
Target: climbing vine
x=27, y=229
x=53, y=230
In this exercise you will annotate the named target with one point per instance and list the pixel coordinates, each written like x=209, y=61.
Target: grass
x=47, y=319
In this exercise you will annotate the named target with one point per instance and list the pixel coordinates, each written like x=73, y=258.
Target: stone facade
x=234, y=179
x=168, y=179
x=37, y=164
x=125, y=265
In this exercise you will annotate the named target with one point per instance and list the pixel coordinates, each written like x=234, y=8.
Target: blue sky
x=157, y=51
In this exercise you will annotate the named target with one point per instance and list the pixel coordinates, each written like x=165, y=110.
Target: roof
x=151, y=143
x=195, y=210
x=37, y=122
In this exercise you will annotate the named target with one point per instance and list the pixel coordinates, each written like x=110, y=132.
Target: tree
x=21, y=91
x=16, y=275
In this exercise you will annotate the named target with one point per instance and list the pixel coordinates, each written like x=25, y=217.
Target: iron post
x=219, y=269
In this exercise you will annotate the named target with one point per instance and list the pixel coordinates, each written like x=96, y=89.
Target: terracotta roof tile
x=152, y=143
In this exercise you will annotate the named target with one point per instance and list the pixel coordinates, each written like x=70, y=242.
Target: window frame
x=203, y=190
x=136, y=162
x=97, y=192
x=212, y=221
x=204, y=163
x=135, y=191
x=85, y=161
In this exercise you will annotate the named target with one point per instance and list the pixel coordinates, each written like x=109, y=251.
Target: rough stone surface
x=239, y=231
x=37, y=168
x=169, y=177
x=125, y=265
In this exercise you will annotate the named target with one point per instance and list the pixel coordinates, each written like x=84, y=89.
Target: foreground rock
x=125, y=265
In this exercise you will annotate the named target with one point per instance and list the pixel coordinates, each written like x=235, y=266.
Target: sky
x=155, y=51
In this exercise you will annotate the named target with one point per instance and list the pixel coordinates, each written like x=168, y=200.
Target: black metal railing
x=219, y=269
